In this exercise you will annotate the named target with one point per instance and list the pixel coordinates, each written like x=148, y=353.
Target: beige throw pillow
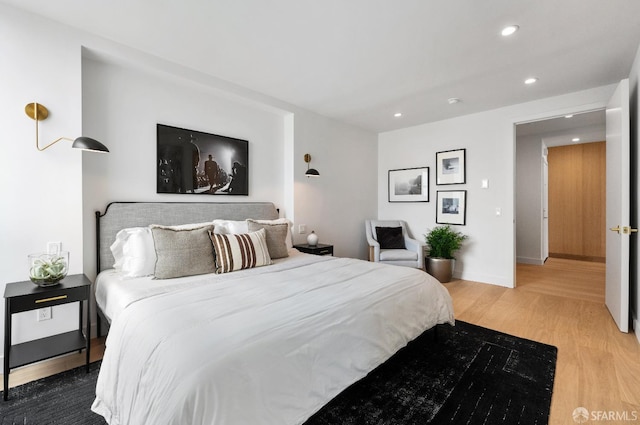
x=276, y=235
x=182, y=252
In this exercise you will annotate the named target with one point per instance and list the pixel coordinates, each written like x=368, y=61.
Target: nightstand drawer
x=49, y=299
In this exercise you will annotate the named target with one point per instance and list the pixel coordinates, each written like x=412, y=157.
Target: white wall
x=335, y=204
x=529, y=200
x=51, y=196
x=122, y=106
x=41, y=191
x=489, y=253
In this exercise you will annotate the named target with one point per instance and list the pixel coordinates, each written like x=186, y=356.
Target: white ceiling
x=559, y=131
x=360, y=61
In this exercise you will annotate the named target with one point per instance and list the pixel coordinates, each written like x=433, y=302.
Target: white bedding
x=269, y=345
x=115, y=292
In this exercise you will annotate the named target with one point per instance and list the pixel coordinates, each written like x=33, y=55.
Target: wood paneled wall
x=577, y=201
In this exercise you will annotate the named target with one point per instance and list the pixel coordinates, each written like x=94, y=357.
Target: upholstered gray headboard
x=121, y=215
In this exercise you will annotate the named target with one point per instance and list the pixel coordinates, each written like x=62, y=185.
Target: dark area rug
x=468, y=375
x=64, y=398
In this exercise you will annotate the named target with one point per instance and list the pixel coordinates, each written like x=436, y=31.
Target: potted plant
x=443, y=242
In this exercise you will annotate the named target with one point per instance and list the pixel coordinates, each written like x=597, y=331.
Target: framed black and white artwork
x=451, y=207
x=195, y=162
x=451, y=167
x=409, y=185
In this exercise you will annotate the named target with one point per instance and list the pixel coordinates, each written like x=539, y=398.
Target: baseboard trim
x=527, y=260
x=481, y=278
x=590, y=258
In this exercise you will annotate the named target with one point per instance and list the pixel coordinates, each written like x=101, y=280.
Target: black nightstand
x=320, y=249
x=26, y=296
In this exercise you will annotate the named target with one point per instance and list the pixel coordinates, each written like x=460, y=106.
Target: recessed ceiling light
x=530, y=80
x=397, y=114
x=575, y=139
x=453, y=100
x=509, y=30
x=568, y=116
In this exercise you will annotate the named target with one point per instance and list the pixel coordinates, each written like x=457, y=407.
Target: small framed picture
x=409, y=185
x=451, y=167
x=451, y=207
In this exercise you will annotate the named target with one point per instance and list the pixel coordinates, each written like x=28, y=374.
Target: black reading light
x=311, y=172
x=39, y=112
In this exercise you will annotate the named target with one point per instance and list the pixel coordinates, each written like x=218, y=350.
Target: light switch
x=498, y=211
x=485, y=183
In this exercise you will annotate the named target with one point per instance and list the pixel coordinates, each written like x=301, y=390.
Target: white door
x=618, y=192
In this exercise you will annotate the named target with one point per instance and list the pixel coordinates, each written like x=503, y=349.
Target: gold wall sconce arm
x=38, y=112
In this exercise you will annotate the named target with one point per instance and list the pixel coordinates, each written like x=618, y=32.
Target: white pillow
x=139, y=254
x=134, y=252
x=289, y=239
x=116, y=248
x=230, y=227
x=188, y=226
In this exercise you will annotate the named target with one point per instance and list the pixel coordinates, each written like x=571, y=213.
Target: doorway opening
x=560, y=203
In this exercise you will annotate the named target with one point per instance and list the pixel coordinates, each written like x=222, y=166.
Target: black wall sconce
x=39, y=112
x=311, y=172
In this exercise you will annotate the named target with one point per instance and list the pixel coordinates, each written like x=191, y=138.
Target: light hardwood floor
x=560, y=303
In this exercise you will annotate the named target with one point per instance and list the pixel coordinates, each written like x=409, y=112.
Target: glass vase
x=48, y=269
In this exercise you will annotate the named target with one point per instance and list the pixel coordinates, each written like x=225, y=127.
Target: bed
x=267, y=344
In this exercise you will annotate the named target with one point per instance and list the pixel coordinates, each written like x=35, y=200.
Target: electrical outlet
x=44, y=314
x=54, y=247
x=302, y=229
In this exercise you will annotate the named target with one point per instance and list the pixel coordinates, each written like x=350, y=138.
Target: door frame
x=541, y=116
x=544, y=249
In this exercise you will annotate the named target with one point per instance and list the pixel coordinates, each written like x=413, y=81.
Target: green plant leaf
x=443, y=241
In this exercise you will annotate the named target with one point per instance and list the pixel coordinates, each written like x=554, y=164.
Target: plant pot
x=440, y=268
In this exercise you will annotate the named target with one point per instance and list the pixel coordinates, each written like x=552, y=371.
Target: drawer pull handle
x=44, y=300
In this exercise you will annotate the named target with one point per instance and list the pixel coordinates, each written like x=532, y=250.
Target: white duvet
x=271, y=345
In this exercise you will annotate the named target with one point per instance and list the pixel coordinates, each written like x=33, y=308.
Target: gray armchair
x=411, y=256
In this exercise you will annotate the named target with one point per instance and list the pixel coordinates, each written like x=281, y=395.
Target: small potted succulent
x=48, y=269
x=442, y=242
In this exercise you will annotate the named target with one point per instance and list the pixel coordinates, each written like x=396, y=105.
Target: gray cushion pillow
x=276, y=237
x=182, y=252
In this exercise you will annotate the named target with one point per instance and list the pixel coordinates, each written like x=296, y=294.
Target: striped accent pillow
x=240, y=251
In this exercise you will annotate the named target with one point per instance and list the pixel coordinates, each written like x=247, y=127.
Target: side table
x=319, y=249
x=26, y=296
